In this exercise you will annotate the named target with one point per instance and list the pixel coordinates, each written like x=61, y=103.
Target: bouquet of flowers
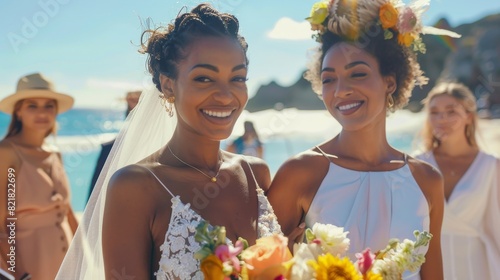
x=320, y=257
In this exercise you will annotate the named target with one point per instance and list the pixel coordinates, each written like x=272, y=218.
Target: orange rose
x=268, y=258
x=211, y=267
x=405, y=39
x=388, y=15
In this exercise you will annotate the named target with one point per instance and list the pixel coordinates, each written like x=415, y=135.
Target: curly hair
x=392, y=57
x=166, y=46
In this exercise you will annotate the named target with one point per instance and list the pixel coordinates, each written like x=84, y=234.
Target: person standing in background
x=132, y=99
x=470, y=239
x=249, y=143
x=33, y=174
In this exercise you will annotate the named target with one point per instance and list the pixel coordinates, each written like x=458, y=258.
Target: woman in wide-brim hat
x=35, y=181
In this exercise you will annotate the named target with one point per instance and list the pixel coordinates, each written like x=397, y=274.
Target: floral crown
x=349, y=18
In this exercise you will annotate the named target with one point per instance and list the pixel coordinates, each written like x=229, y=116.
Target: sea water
x=284, y=134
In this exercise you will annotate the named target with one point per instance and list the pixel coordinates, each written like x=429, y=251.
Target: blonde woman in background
x=470, y=237
x=34, y=178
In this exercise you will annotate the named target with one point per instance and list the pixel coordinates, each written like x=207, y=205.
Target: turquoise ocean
x=284, y=134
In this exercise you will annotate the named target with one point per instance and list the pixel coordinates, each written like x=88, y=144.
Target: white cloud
x=289, y=29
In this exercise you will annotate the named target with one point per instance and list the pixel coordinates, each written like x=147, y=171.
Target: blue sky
x=89, y=48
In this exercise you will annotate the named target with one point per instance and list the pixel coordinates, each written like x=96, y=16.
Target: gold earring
x=168, y=103
x=390, y=101
x=468, y=130
x=170, y=109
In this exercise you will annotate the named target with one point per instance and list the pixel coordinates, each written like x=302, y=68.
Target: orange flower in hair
x=388, y=15
x=406, y=39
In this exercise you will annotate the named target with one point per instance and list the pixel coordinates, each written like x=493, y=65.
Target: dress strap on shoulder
x=327, y=156
x=251, y=172
x=16, y=150
x=161, y=183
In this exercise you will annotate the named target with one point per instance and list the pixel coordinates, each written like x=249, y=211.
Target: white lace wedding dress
x=177, y=259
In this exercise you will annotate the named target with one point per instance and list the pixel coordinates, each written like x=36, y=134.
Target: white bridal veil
x=147, y=128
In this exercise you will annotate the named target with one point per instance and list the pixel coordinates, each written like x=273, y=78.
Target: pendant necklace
x=212, y=178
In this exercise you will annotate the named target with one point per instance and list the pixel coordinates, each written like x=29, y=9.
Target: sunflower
x=329, y=267
x=373, y=276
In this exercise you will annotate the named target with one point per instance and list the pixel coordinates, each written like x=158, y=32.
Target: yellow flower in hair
x=406, y=39
x=319, y=13
x=388, y=15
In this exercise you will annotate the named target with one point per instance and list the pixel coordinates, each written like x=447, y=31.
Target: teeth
x=349, y=106
x=218, y=114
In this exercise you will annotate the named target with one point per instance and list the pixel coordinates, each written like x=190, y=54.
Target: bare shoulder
x=428, y=178
x=8, y=155
x=133, y=182
x=305, y=163
x=301, y=171
x=258, y=167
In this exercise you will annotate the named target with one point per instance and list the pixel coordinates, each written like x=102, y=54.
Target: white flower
x=301, y=254
x=332, y=239
x=387, y=268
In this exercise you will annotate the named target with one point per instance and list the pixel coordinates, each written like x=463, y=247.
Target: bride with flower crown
x=170, y=171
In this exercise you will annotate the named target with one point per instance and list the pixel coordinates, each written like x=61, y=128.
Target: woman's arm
x=73, y=222
x=431, y=184
x=292, y=190
x=126, y=231
x=9, y=172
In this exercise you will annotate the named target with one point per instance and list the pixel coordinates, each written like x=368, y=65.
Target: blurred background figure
x=45, y=221
x=471, y=224
x=249, y=143
x=132, y=99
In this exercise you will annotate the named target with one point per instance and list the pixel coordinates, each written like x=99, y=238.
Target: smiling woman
x=365, y=68
x=141, y=219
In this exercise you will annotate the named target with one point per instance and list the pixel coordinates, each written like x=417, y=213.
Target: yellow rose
x=267, y=259
x=319, y=12
x=405, y=39
x=388, y=16
x=211, y=267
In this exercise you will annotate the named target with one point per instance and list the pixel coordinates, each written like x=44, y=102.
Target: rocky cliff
x=473, y=59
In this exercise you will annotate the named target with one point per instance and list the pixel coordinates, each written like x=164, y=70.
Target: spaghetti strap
x=16, y=150
x=253, y=175
x=165, y=187
x=324, y=154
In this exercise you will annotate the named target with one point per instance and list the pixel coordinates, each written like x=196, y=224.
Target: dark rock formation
x=473, y=59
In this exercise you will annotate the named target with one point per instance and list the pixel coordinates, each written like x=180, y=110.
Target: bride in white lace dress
x=141, y=225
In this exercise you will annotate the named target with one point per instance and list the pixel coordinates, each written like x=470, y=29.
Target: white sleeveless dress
x=470, y=239
x=374, y=206
x=177, y=259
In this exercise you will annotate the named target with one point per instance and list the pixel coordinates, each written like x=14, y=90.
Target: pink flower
x=365, y=260
x=407, y=21
x=228, y=253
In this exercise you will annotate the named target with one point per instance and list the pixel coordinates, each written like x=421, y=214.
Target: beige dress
x=43, y=233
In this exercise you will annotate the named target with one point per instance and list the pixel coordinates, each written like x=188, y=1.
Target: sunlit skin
x=38, y=117
x=355, y=93
x=448, y=118
x=353, y=88
x=210, y=93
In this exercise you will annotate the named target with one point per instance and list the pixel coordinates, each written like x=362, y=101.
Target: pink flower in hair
x=407, y=21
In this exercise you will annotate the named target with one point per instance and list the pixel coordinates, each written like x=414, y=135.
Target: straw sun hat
x=36, y=86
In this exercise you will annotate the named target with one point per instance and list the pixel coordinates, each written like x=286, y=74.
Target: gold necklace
x=212, y=178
